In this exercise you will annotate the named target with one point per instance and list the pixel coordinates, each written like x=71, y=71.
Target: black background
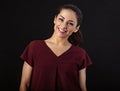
x=25, y=20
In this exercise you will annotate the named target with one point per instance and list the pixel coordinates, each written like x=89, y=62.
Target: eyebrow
x=64, y=18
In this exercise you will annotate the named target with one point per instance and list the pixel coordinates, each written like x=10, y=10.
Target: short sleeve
x=86, y=60
x=27, y=54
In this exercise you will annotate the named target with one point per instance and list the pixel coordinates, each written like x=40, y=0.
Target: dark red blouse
x=55, y=73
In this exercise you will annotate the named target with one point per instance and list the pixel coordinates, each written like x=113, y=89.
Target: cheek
x=71, y=30
x=56, y=23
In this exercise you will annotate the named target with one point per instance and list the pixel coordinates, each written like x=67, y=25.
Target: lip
x=62, y=31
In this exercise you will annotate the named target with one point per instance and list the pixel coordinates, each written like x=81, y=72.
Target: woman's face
x=65, y=23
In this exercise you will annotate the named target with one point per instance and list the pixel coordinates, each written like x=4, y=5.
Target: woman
x=57, y=63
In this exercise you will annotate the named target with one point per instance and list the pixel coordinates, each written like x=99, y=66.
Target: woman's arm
x=26, y=76
x=82, y=79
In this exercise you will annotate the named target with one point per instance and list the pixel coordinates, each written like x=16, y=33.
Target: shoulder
x=35, y=45
x=82, y=54
x=36, y=42
x=79, y=49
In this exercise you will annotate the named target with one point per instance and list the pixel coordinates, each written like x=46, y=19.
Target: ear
x=77, y=28
x=55, y=19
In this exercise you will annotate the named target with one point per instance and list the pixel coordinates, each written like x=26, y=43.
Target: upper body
x=55, y=64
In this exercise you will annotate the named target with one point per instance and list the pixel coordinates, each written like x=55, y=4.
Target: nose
x=64, y=25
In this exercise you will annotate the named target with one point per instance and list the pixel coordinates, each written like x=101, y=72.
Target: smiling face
x=65, y=23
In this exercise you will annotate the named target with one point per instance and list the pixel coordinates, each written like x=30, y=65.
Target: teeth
x=62, y=30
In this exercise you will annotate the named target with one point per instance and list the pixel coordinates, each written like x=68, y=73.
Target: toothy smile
x=62, y=31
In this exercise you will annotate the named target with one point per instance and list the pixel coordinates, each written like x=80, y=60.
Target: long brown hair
x=75, y=38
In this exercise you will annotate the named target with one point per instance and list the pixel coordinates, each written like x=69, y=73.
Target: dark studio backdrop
x=25, y=20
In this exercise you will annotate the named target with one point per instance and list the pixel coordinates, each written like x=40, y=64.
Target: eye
x=60, y=19
x=70, y=24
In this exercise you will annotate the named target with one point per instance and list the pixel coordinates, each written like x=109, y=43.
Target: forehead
x=68, y=14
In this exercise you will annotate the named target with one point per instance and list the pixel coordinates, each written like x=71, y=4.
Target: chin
x=61, y=36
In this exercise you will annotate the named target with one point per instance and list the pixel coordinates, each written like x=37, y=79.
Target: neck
x=59, y=41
